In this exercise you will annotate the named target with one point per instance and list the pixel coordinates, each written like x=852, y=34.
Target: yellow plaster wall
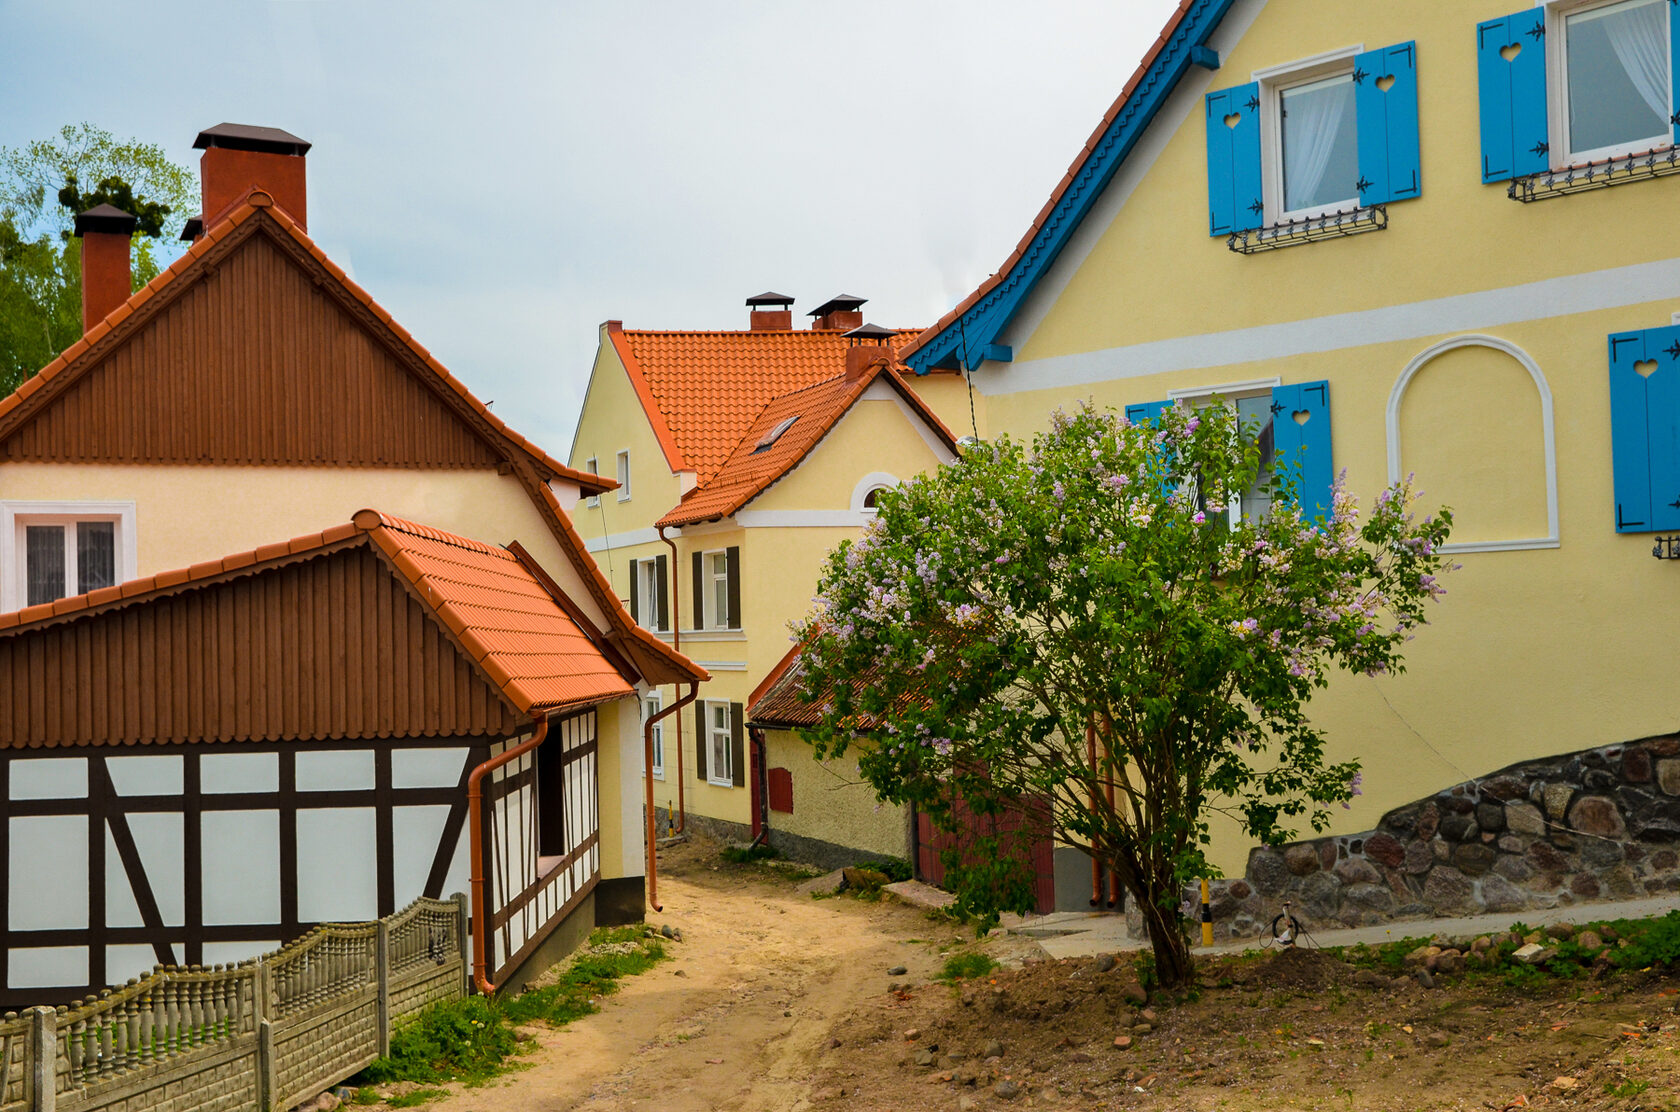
x=948, y=395
x=613, y=420
x=832, y=804
x=875, y=436
x=1532, y=652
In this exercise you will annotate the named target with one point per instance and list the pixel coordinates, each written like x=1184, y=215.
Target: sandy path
x=740, y=1016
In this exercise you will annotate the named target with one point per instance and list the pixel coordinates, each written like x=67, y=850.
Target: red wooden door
x=1031, y=818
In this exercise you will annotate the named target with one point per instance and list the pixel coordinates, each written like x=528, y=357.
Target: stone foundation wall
x=1600, y=824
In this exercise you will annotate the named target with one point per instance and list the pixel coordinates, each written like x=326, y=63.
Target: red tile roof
x=702, y=390
x=747, y=472
x=506, y=620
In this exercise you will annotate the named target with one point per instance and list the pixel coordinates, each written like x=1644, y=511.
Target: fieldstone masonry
x=1599, y=824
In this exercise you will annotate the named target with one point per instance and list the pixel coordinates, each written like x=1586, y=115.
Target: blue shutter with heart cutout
x=1386, y=104
x=1645, y=428
x=1511, y=68
x=1233, y=153
x=1144, y=412
x=1302, y=456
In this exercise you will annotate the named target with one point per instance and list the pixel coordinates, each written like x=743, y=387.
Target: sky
x=505, y=175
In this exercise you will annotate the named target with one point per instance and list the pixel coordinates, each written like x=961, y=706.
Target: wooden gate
x=1031, y=820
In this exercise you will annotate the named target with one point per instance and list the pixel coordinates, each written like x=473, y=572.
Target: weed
x=1148, y=979
x=1632, y=1087
x=965, y=966
x=895, y=868
x=748, y=854
x=366, y=1095
x=416, y=1097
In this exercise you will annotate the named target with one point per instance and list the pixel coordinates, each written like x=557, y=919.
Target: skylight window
x=775, y=434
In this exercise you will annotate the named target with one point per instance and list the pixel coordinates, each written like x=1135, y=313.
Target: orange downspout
x=647, y=780
x=475, y=808
x=680, y=822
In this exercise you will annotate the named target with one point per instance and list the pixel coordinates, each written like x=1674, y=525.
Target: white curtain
x=1311, y=128
x=1639, y=36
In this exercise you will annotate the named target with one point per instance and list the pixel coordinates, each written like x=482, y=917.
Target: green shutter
x=737, y=745
x=733, y=557
x=635, y=596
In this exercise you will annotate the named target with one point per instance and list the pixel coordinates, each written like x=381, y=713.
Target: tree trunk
x=1170, y=943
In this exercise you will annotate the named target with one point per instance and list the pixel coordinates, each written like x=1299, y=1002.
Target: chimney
x=771, y=312
x=839, y=313
x=239, y=158
x=866, y=345
x=107, y=235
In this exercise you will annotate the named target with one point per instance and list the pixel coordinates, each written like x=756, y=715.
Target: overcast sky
x=504, y=176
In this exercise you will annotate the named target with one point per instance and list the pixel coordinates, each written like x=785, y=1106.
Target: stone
x=863, y=880
x=897, y=971
x=1664, y=746
x=1503, y=788
x=1456, y=804
x=825, y=885
x=1590, y=941
x=1320, y=896
x=1601, y=853
x=1385, y=850
x=1557, y=797
x=968, y=1104
x=1440, y=850
x=1585, y=886
x=1514, y=843
x=1369, y=897
x=1435, y=1040
x=1490, y=816
x=1425, y=978
x=1402, y=820
x=1328, y=852
x=1267, y=872
x=1301, y=859
x=1473, y=859
x=1357, y=870
x=1240, y=890
x=1449, y=892
x=1122, y=1042
x=1524, y=818
x=1621, y=883
x=1459, y=828
x=1419, y=859
x=1547, y=859
x=1428, y=821
x=925, y=1058
x=1450, y=962
x=1665, y=860
x=1370, y=978
x=1513, y=868
x=992, y=1049
x=1106, y=962
x=1533, y=954
x=1500, y=895
x=1481, y=945
x=1598, y=780
x=1668, y=776
x=1006, y=1090
x=1597, y=815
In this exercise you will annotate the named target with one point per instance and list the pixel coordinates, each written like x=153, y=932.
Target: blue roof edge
x=965, y=340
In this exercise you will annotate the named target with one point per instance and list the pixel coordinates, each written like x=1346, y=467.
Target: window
x=1293, y=426
x=1575, y=82
x=717, y=589
x=651, y=706
x=51, y=550
x=718, y=739
x=1324, y=135
x=719, y=743
x=624, y=476
x=775, y=434
x=1328, y=134
x=871, y=499
x=650, y=594
x=593, y=466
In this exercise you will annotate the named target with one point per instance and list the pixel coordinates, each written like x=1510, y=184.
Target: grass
x=965, y=966
x=747, y=855
x=471, y=1040
x=416, y=1097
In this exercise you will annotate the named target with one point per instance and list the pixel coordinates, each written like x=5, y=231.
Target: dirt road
x=740, y=1015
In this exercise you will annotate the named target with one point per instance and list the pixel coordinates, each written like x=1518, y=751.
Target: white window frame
x=623, y=459
x=711, y=578
x=593, y=466
x=1228, y=393
x=652, y=703
x=713, y=777
x=647, y=593
x=1557, y=88
x=16, y=515
x=1274, y=81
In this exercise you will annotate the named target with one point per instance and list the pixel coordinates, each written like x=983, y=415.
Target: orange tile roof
x=67, y=361
x=506, y=620
x=702, y=390
x=747, y=472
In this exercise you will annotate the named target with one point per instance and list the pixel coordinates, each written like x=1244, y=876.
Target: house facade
x=250, y=394
x=742, y=459
x=1428, y=240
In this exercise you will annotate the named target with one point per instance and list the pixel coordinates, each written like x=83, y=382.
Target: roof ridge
x=771, y=333
x=363, y=520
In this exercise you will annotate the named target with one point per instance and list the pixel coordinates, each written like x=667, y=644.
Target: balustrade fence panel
x=267, y=1033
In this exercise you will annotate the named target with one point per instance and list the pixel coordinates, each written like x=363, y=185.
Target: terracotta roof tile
x=706, y=388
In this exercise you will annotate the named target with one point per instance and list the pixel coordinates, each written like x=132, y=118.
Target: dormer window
x=775, y=434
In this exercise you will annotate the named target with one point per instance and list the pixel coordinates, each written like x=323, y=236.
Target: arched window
x=872, y=497
x=868, y=491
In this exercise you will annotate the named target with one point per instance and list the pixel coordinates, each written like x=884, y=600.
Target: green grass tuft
x=416, y=1097
x=966, y=966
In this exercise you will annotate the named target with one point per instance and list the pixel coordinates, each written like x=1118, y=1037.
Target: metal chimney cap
x=248, y=137
x=769, y=298
x=842, y=303
x=105, y=218
x=870, y=332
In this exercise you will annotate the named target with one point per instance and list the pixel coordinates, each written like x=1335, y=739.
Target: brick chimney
x=771, y=312
x=866, y=345
x=107, y=235
x=841, y=313
x=239, y=158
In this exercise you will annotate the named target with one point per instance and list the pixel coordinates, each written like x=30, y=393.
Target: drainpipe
x=647, y=763
x=680, y=822
x=1096, y=866
x=475, y=825
x=760, y=774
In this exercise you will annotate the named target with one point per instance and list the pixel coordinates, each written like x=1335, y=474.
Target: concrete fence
x=268, y=1033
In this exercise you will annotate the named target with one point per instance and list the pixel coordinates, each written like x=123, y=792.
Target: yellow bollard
x=1207, y=916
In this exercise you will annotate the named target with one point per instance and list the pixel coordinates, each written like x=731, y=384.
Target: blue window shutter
x=1515, y=130
x=1674, y=66
x=1301, y=445
x=1389, y=167
x=1645, y=428
x=1234, y=189
x=1144, y=412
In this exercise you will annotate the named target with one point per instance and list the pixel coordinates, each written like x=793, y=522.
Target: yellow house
x=1436, y=236
x=276, y=593
x=742, y=458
